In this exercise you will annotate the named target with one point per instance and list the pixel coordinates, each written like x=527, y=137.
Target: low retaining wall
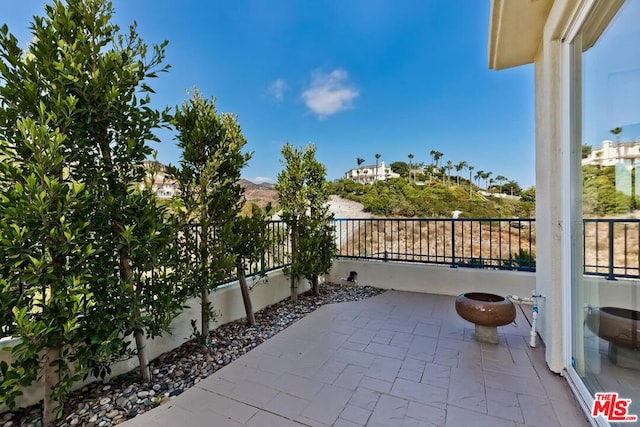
x=435, y=279
x=227, y=304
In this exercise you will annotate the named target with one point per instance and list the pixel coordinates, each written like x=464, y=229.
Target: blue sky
x=353, y=77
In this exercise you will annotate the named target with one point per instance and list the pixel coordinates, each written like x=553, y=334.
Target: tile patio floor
x=397, y=359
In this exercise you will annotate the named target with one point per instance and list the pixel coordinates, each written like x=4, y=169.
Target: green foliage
x=253, y=238
x=599, y=192
x=210, y=166
x=303, y=194
x=521, y=259
x=46, y=248
x=586, y=150
x=397, y=197
x=529, y=195
x=401, y=168
x=78, y=233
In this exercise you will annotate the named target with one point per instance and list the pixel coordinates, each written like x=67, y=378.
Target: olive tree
x=317, y=246
x=303, y=195
x=252, y=242
x=208, y=175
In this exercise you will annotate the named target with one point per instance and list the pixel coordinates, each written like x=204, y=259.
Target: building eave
x=515, y=31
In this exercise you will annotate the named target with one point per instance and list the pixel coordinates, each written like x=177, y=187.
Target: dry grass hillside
x=260, y=194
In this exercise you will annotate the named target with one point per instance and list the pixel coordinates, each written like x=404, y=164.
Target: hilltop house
x=161, y=184
x=370, y=174
x=611, y=153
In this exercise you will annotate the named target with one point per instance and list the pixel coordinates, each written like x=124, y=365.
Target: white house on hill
x=161, y=184
x=370, y=174
x=611, y=153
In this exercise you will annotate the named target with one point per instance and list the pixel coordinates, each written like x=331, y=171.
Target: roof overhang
x=515, y=31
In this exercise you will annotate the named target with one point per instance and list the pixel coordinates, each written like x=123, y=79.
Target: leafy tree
x=292, y=196
x=586, y=150
x=317, y=243
x=210, y=166
x=303, y=194
x=46, y=249
x=599, y=192
x=250, y=247
x=512, y=187
x=529, y=195
x=93, y=82
x=400, y=168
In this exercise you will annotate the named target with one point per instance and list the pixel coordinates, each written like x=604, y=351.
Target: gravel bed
x=123, y=397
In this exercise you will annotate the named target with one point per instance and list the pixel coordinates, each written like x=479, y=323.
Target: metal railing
x=611, y=248
x=276, y=256
x=481, y=243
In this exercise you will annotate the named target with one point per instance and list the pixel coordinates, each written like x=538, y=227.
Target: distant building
x=370, y=174
x=612, y=153
x=161, y=184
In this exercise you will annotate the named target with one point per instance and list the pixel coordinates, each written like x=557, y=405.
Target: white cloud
x=277, y=89
x=329, y=93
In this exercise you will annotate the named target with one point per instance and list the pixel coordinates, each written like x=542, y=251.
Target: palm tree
x=486, y=179
x=501, y=179
x=410, y=158
x=478, y=176
x=437, y=155
x=449, y=167
x=377, y=156
x=433, y=156
x=459, y=168
x=470, y=168
x=360, y=161
x=617, y=131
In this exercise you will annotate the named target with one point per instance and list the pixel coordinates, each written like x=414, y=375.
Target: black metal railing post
x=453, y=244
x=611, y=276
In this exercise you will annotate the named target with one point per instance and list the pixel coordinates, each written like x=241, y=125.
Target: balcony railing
x=610, y=246
x=481, y=243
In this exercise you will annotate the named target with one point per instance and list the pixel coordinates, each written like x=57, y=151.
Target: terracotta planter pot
x=619, y=326
x=485, y=309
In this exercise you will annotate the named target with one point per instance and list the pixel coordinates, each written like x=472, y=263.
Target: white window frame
x=571, y=122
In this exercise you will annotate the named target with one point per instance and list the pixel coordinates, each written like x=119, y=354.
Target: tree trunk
x=204, y=314
x=142, y=357
x=314, y=284
x=294, y=248
x=51, y=379
x=246, y=298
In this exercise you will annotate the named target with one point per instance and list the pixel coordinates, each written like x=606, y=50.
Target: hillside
x=397, y=197
x=260, y=194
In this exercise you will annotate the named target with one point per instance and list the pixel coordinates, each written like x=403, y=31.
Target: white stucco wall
x=227, y=303
x=434, y=279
